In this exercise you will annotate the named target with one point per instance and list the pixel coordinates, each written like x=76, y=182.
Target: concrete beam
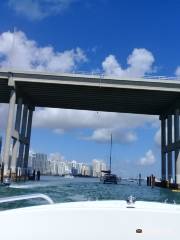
x=163, y=143
x=17, y=136
x=172, y=147
x=23, y=133
x=10, y=122
x=177, y=150
x=169, y=134
x=11, y=81
x=28, y=136
x=171, y=109
x=16, y=140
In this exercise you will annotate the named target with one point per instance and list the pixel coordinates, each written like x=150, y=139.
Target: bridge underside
x=24, y=91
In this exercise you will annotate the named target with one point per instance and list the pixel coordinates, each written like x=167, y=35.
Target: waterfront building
x=79, y=168
x=38, y=161
x=98, y=166
x=86, y=170
x=56, y=165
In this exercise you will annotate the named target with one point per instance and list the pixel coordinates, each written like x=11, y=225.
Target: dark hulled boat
x=108, y=177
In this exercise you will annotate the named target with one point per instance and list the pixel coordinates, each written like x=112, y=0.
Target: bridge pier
x=16, y=135
x=20, y=161
x=168, y=146
x=177, y=152
x=10, y=122
x=163, y=145
x=169, y=136
x=28, y=137
x=19, y=130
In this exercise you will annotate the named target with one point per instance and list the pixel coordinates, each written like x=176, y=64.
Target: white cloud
x=140, y=62
x=102, y=124
x=148, y=159
x=39, y=9
x=157, y=136
x=102, y=135
x=68, y=119
x=18, y=52
x=56, y=157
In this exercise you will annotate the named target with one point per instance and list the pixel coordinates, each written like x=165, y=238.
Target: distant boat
x=108, y=176
x=6, y=182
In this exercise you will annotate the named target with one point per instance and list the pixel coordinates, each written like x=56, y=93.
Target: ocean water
x=84, y=189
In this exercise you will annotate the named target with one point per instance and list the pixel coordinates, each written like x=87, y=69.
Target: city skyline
x=56, y=165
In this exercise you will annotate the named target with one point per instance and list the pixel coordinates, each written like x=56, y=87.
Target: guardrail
x=26, y=197
x=102, y=74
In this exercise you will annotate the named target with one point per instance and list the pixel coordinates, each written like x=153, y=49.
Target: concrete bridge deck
x=89, y=92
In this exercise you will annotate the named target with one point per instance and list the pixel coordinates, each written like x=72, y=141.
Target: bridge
x=28, y=90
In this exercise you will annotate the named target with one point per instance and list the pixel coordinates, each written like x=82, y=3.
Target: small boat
x=108, y=177
x=6, y=182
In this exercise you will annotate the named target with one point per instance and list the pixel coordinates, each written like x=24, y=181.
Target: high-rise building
x=38, y=161
x=55, y=164
x=98, y=166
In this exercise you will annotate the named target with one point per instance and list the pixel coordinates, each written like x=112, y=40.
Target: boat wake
x=78, y=197
x=27, y=186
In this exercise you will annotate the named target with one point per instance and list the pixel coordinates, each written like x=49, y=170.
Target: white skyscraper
x=98, y=166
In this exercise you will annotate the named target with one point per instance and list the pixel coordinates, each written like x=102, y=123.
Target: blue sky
x=124, y=38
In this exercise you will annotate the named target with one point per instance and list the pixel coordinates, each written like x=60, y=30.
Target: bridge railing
x=101, y=74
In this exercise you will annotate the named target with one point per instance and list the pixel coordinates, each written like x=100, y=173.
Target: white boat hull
x=106, y=220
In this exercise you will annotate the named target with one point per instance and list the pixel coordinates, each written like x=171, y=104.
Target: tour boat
x=126, y=220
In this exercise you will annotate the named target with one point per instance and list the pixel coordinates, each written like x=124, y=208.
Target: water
x=84, y=189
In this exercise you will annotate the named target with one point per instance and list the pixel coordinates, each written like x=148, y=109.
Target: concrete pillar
x=169, y=125
x=16, y=141
x=163, y=144
x=28, y=137
x=177, y=138
x=23, y=134
x=10, y=122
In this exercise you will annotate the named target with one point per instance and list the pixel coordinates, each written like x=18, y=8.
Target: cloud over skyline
x=102, y=135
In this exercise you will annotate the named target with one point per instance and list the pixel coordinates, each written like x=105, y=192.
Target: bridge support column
x=28, y=137
x=10, y=122
x=177, y=152
x=169, y=135
x=22, y=140
x=16, y=136
x=163, y=144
